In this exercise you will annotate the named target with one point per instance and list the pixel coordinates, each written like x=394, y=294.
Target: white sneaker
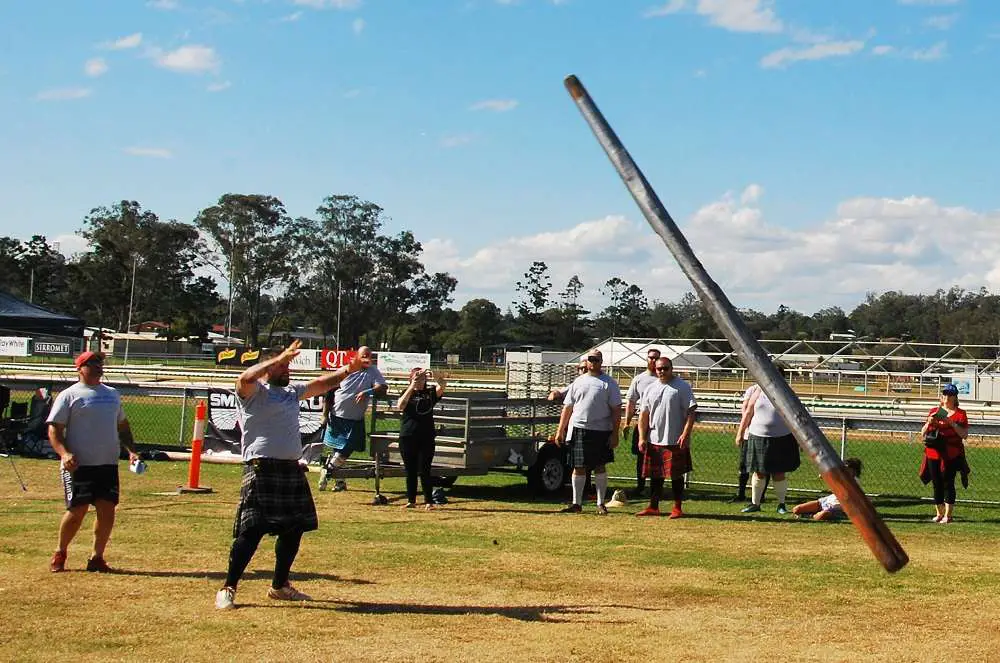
x=287, y=593
x=224, y=598
x=321, y=486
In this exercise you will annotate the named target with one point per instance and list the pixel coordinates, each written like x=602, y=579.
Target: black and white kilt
x=591, y=448
x=663, y=462
x=275, y=498
x=771, y=455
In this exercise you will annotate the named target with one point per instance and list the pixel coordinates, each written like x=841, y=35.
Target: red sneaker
x=676, y=513
x=648, y=511
x=58, y=562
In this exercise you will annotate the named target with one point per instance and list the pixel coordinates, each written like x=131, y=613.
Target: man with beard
x=274, y=496
x=635, y=390
x=344, y=411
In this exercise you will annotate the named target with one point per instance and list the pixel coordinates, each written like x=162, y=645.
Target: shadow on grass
x=523, y=613
x=256, y=574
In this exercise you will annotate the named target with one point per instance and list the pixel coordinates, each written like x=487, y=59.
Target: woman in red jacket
x=944, y=451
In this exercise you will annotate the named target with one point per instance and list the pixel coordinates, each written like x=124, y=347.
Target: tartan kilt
x=590, y=448
x=771, y=455
x=663, y=462
x=274, y=497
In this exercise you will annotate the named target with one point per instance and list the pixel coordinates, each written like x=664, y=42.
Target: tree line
x=290, y=273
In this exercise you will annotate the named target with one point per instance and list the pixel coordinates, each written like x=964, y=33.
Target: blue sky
x=811, y=150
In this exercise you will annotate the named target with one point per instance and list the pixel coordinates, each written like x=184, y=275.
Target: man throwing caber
x=666, y=418
x=87, y=427
x=344, y=408
x=274, y=496
x=592, y=411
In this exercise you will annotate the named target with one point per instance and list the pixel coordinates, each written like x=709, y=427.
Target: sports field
x=495, y=576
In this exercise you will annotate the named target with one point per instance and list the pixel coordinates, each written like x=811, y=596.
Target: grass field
x=492, y=576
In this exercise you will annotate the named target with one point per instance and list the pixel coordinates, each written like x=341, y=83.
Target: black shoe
x=736, y=498
x=572, y=508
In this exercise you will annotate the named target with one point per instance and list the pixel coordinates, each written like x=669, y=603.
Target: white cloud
x=63, y=94
x=935, y=52
x=733, y=15
x=869, y=244
x=294, y=16
x=942, y=22
x=165, y=5
x=358, y=25
x=70, y=245
x=457, y=140
x=190, y=59
x=328, y=4
x=883, y=49
x=829, y=49
x=152, y=152
x=495, y=105
x=95, y=67
x=130, y=41
x=219, y=86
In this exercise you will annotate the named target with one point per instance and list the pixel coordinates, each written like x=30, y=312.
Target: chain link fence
x=891, y=448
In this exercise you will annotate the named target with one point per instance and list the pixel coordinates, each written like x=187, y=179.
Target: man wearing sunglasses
x=558, y=394
x=592, y=411
x=666, y=418
x=634, y=395
x=87, y=427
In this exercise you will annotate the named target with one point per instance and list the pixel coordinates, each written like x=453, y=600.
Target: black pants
x=418, y=454
x=943, y=481
x=245, y=545
x=640, y=460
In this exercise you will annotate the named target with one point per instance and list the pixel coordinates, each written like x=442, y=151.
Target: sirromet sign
x=51, y=348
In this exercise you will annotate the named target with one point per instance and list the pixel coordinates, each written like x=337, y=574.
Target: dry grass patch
x=493, y=576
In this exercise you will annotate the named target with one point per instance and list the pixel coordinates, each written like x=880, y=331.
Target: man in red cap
x=87, y=426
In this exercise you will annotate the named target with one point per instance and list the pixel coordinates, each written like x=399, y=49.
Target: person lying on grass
x=828, y=507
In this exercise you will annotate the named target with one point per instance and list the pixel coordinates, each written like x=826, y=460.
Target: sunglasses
x=594, y=359
x=664, y=369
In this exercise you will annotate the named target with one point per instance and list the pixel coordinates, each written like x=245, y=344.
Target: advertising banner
x=332, y=358
x=402, y=362
x=223, y=430
x=46, y=347
x=239, y=357
x=307, y=360
x=13, y=346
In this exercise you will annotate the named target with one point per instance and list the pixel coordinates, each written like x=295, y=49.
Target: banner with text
x=43, y=346
x=331, y=358
x=223, y=430
x=13, y=346
x=306, y=360
x=402, y=362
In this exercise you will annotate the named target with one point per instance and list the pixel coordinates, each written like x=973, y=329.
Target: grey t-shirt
x=668, y=406
x=355, y=383
x=595, y=400
x=638, y=386
x=91, y=415
x=270, y=422
x=766, y=421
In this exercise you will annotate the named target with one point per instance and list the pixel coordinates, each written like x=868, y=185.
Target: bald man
x=344, y=410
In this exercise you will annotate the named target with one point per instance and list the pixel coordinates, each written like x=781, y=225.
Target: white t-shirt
x=766, y=421
x=269, y=420
x=91, y=415
x=668, y=406
x=595, y=400
x=639, y=385
x=355, y=383
x=746, y=396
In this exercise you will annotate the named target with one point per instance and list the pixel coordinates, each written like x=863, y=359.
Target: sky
x=811, y=151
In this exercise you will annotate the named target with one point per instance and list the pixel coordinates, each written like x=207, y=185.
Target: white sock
x=781, y=489
x=579, y=481
x=601, y=481
x=756, y=489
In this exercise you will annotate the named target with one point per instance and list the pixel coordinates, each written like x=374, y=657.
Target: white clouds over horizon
x=732, y=15
x=188, y=59
x=869, y=244
x=63, y=94
x=95, y=67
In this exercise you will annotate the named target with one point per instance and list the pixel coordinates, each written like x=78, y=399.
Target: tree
x=253, y=240
x=379, y=279
x=626, y=315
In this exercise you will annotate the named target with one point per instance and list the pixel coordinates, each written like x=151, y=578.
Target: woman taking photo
x=416, y=433
x=944, y=451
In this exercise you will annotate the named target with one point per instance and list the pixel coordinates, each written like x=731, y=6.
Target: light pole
x=338, y=313
x=229, y=317
x=131, y=298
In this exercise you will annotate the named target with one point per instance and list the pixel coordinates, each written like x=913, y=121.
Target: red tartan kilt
x=666, y=462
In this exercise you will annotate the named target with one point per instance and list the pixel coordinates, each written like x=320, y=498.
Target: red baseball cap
x=84, y=357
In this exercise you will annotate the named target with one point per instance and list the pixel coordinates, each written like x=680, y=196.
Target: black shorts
x=89, y=483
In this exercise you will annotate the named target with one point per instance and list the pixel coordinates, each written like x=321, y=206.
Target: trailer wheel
x=548, y=474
